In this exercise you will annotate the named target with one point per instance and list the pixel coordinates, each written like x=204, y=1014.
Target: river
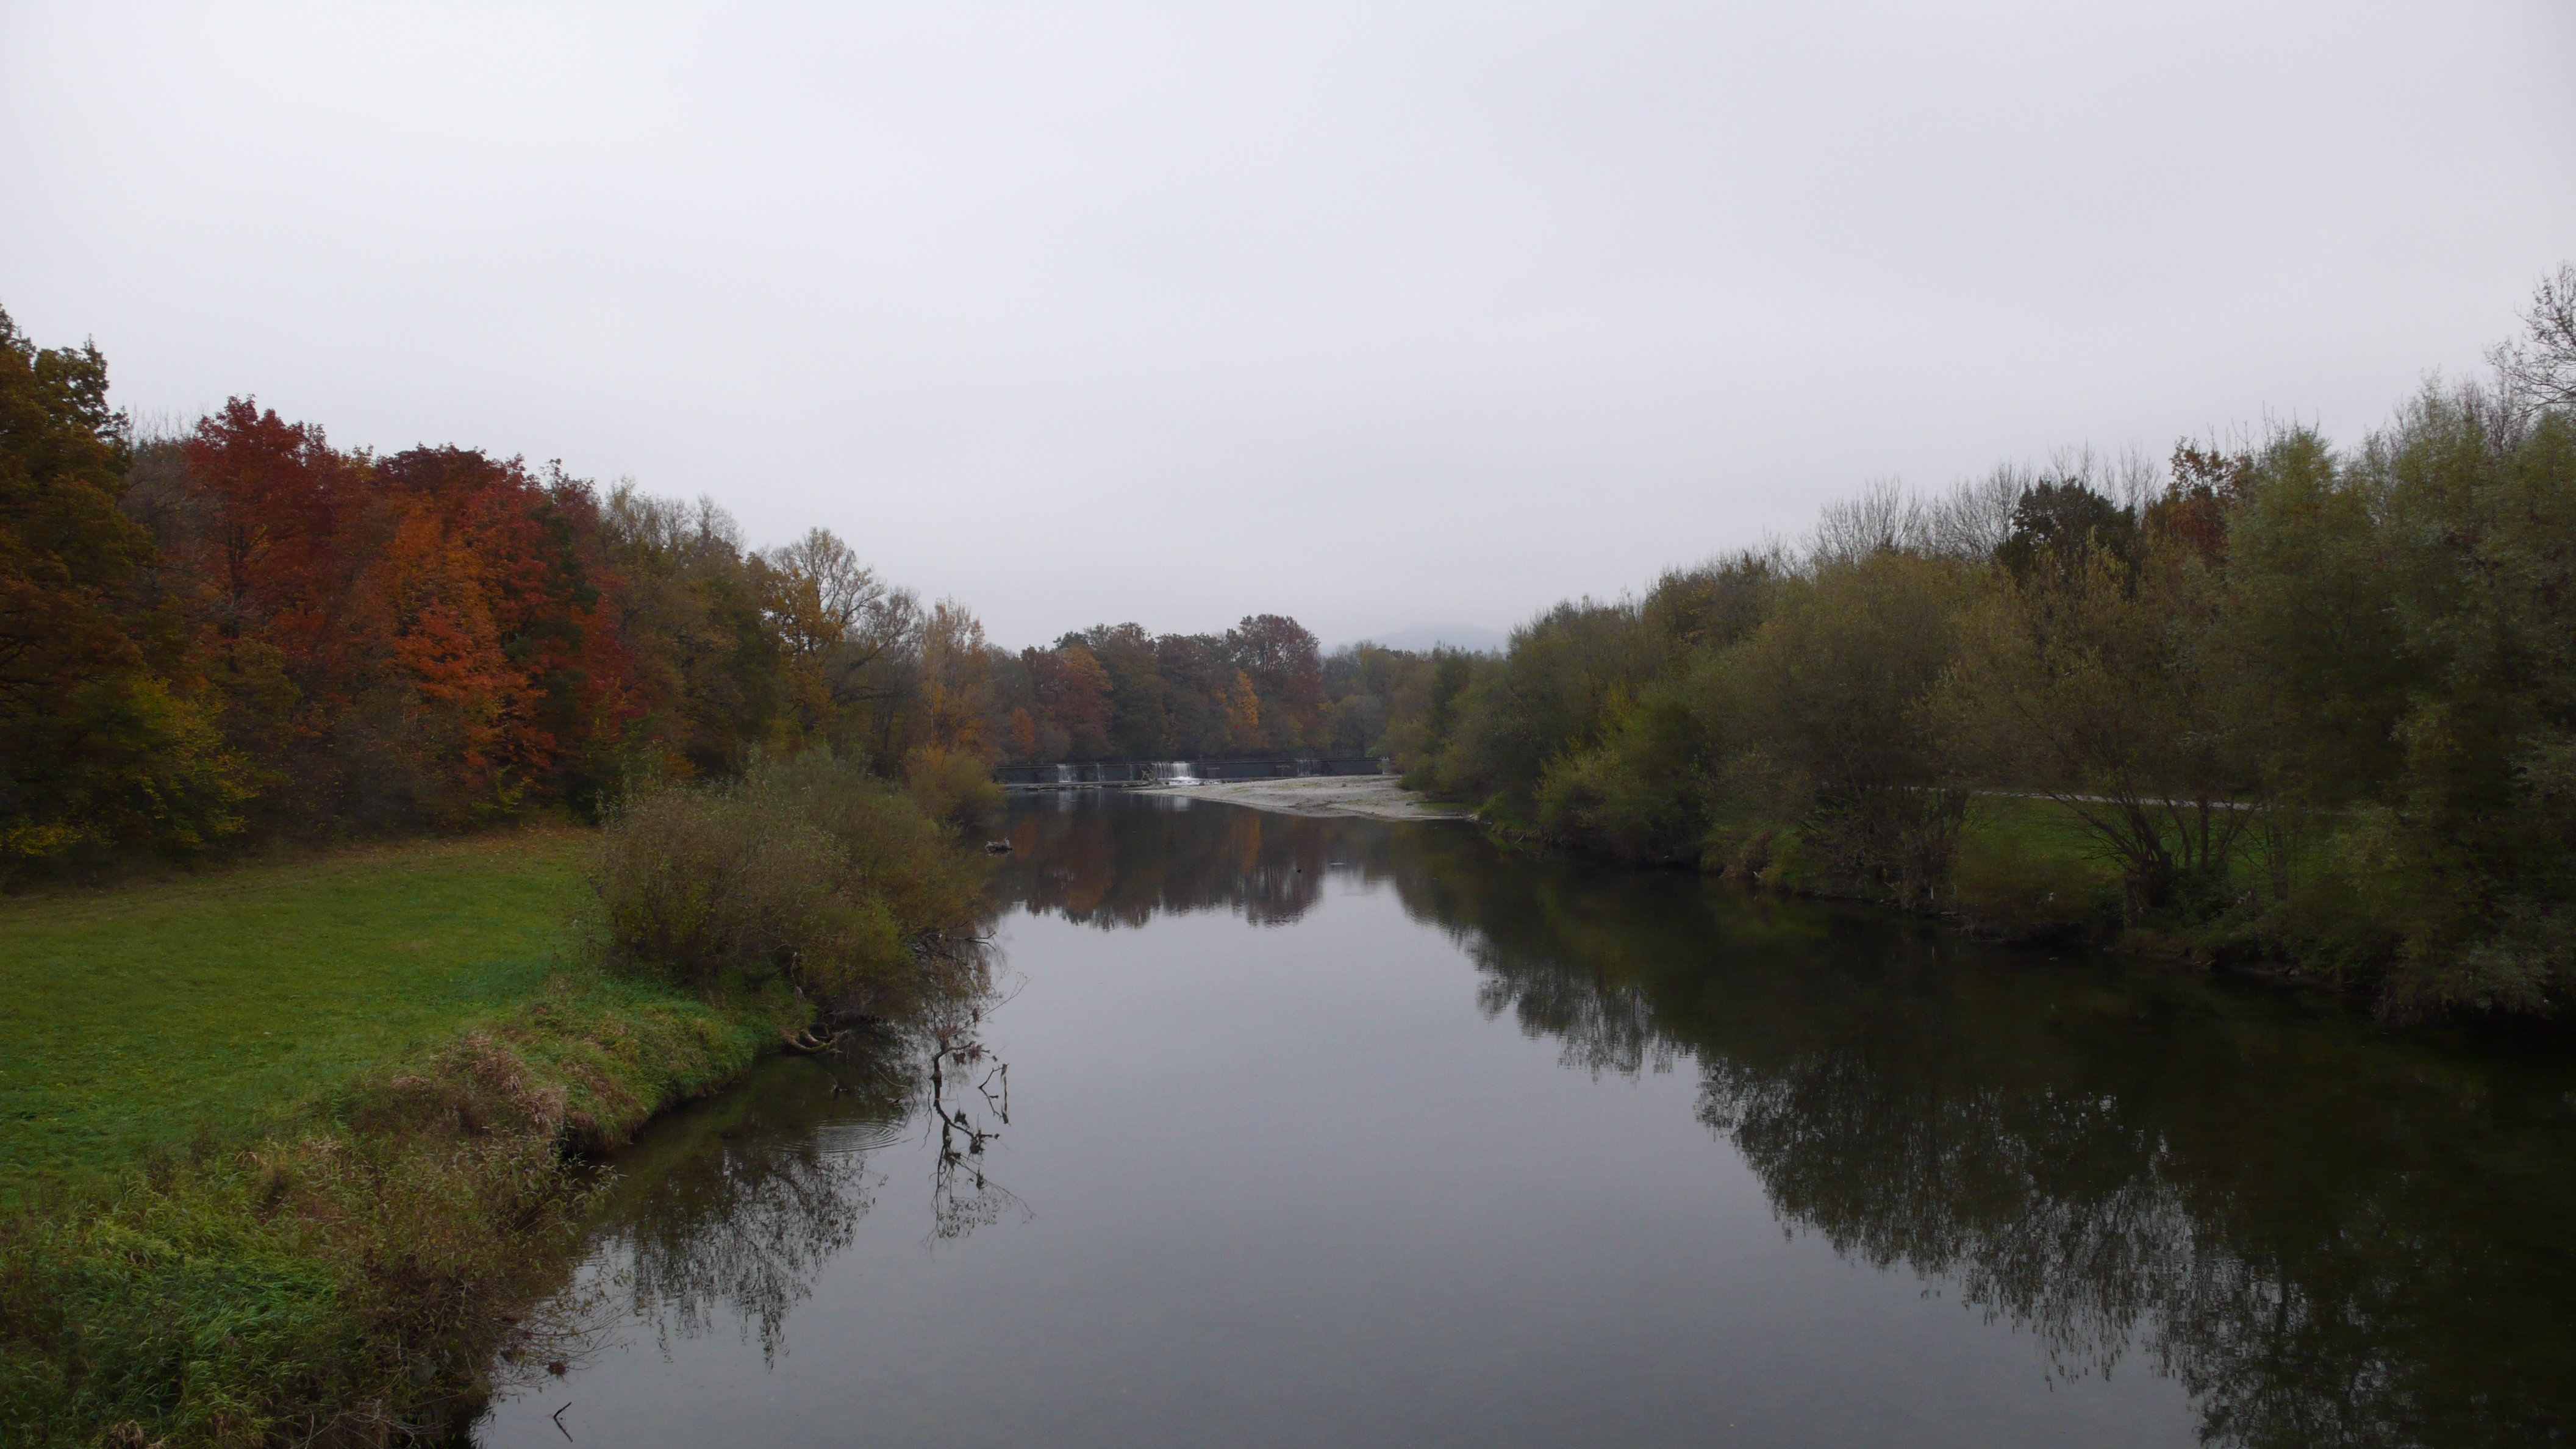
x=1297, y=1131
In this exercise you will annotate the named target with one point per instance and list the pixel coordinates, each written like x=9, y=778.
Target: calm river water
x=1339, y=1132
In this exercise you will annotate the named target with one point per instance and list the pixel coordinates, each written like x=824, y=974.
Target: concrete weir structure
x=1130, y=774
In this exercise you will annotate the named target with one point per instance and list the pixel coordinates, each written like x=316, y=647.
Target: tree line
x=241, y=630
x=2291, y=701
x=2270, y=698
x=1263, y=687
x=1115, y=691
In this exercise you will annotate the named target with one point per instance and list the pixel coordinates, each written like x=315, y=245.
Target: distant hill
x=1421, y=637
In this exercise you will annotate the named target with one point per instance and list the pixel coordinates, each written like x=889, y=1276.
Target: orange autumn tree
x=956, y=681
x=1242, y=706
x=461, y=704
x=267, y=504
x=274, y=492
x=1280, y=658
x=492, y=665
x=950, y=766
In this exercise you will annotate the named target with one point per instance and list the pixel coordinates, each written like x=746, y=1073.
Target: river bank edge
x=2057, y=899
x=365, y=1272
x=2024, y=912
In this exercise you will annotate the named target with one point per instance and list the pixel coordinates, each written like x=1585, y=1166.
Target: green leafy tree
x=1824, y=716
x=96, y=751
x=1565, y=675
x=2087, y=677
x=2450, y=866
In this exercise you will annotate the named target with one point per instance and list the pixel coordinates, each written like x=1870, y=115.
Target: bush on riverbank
x=805, y=870
x=954, y=787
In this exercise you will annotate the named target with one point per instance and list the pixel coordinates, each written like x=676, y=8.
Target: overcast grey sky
x=1373, y=314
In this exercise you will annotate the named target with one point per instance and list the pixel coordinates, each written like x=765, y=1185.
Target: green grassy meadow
x=2030, y=865
x=144, y=1013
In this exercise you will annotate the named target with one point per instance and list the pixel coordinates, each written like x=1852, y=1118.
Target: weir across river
x=1130, y=774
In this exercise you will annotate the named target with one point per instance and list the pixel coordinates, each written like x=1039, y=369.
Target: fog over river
x=1300, y=1131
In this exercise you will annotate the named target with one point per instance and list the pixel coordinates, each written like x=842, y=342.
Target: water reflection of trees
x=1111, y=861
x=734, y=1208
x=731, y=1209
x=2328, y=1235
x=2321, y=1231
x=970, y=1104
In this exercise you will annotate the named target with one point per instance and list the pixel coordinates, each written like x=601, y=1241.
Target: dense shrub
x=1829, y=695
x=1639, y=794
x=805, y=870
x=953, y=787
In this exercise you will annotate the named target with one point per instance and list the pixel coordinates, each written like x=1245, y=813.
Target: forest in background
x=2267, y=699
x=242, y=632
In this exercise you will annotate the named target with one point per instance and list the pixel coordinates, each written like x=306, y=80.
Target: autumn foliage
x=1115, y=691
x=244, y=631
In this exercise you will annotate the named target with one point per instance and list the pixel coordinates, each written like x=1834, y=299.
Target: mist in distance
x=1371, y=316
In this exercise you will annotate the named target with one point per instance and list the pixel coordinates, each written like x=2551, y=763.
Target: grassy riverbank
x=143, y=1014
x=278, y=1139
